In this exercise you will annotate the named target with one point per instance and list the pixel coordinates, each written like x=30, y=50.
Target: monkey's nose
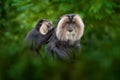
x=70, y=28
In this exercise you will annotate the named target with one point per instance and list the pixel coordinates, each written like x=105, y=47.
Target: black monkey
x=66, y=36
x=38, y=35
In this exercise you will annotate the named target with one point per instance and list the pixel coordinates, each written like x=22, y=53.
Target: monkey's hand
x=77, y=46
x=50, y=46
x=56, y=52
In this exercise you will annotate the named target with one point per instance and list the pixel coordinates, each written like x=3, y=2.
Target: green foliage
x=99, y=58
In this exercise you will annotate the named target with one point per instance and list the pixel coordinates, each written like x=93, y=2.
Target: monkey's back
x=32, y=40
x=35, y=39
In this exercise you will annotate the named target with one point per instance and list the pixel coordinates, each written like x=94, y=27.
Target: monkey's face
x=45, y=27
x=70, y=27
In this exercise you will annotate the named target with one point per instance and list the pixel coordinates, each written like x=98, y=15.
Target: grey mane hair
x=64, y=35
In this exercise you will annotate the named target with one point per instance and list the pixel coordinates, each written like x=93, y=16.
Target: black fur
x=62, y=49
x=34, y=39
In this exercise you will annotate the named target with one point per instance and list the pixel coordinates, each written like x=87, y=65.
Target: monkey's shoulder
x=34, y=33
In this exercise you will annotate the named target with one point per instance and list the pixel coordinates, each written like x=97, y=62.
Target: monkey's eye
x=48, y=26
x=67, y=22
x=73, y=22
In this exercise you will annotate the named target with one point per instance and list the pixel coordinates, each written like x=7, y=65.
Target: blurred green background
x=99, y=58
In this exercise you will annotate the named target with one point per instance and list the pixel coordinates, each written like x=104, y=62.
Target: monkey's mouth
x=70, y=30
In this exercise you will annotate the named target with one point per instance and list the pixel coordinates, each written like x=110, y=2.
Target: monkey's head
x=70, y=28
x=44, y=26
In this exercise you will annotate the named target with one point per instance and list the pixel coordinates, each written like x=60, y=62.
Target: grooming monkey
x=66, y=36
x=38, y=35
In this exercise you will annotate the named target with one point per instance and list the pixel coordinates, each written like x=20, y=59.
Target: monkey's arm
x=77, y=45
x=56, y=51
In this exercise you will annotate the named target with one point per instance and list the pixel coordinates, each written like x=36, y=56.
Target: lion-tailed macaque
x=66, y=37
x=38, y=36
